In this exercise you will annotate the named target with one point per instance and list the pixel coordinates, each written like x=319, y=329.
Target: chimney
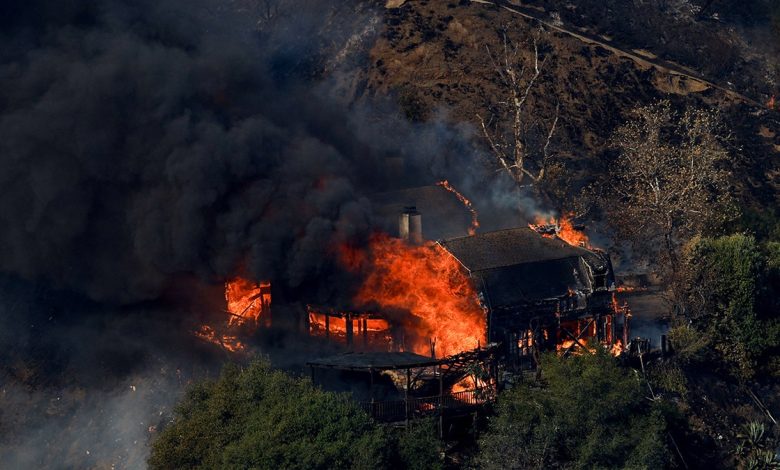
x=410, y=226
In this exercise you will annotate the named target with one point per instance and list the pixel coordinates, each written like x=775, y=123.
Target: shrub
x=257, y=417
x=591, y=413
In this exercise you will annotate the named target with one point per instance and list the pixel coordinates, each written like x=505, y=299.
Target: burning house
x=426, y=315
x=521, y=290
x=541, y=293
x=529, y=289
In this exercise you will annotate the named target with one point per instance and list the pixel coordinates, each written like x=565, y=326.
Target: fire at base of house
x=528, y=290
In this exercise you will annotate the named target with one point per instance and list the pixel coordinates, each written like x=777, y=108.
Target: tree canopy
x=257, y=417
x=591, y=413
x=670, y=181
x=731, y=296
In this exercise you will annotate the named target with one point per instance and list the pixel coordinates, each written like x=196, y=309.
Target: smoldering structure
x=535, y=292
x=541, y=293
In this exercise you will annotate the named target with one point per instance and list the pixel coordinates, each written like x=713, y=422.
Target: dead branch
x=511, y=148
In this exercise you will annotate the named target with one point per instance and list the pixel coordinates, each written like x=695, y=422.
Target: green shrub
x=668, y=377
x=591, y=413
x=689, y=345
x=725, y=278
x=257, y=417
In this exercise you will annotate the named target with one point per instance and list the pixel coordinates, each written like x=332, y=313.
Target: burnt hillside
x=433, y=56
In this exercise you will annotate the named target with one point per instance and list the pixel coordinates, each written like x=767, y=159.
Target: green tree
x=257, y=417
x=725, y=278
x=590, y=413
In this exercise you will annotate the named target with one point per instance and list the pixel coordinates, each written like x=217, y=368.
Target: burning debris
x=247, y=300
x=563, y=228
x=229, y=342
x=474, y=217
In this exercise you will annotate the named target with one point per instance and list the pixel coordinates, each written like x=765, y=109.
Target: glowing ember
x=630, y=289
x=563, y=229
x=247, y=300
x=771, y=103
x=474, y=219
x=229, y=342
x=429, y=283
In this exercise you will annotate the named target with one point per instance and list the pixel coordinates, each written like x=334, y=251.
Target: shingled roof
x=508, y=248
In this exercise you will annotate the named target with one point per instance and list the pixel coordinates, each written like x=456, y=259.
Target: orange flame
x=229, y=342
x=630, y=289
x=429, y=283
x=564, y=229
x=474, y=218
x=247, y=300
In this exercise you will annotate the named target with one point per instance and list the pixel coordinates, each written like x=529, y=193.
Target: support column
x=406, y=396
x=441, y=403
x=348, y=321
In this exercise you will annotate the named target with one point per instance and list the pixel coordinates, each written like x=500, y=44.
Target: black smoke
x=141, y=140
x=148, y=148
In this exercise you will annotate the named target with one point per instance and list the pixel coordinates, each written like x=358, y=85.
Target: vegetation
x=756, y=449
x=591, y=413
x=729, y=287
x=518, y=137
x=260, y=418
x=669, y=182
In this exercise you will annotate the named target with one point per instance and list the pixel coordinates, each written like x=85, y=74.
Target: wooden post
x=406, y=395
x=327, y=325
x=371, y=391
x=348, y=320
x=626, y=328
x=365, y=332
x=441, y=403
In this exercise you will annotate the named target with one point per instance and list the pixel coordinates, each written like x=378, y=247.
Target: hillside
x=433, y=57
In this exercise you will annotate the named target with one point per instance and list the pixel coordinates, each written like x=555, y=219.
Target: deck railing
x=415, y=407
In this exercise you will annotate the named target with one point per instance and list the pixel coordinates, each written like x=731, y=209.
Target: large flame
x=427, y=282
x=474, y=217
x=247, y=300
x=563, y=229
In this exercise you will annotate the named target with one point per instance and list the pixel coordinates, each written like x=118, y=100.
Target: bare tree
x=267, y=12
x=670, y=180
x=507, y=131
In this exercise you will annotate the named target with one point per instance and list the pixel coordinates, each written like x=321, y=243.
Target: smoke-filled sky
x=144, y=142
x=139, y=140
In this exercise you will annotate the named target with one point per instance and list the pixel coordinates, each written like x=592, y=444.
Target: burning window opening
x=368, y=330
x=248, y=305
x=247, y=300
